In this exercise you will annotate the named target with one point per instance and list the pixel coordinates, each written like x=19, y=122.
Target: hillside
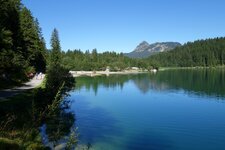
x=144, y=49
x=209, y=52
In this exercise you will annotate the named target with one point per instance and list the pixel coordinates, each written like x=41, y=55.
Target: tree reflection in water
x=199, y=81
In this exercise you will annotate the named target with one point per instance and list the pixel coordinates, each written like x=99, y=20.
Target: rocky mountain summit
x=144, y=49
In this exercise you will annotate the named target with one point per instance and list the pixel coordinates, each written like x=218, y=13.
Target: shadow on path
x=16, y=90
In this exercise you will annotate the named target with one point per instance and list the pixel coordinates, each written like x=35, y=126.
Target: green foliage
x=58, y=82
x=22, y=50
x=77, y=60
x=56, y=73
x=56, y=102
x=32, y=41
x=210, y=52
x=6, y=144
x=36, y=146
x=21, y=43
x=55, y=55
x=22, y=116
x=72, y=140
x=12, y=63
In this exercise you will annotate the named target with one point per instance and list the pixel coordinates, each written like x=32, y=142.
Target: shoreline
x=196, y=67
x=124, y=72
x=107, y=73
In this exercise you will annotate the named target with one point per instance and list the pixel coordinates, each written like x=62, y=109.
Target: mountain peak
x=144, y=42
x=144, y=49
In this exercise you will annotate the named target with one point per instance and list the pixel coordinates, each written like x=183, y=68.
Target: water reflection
x=208, y=82
x=58, y=126
x=151, y=111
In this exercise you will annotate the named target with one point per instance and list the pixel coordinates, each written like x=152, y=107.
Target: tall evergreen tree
x=55, y=56
x=40, y=57
x=57, y=74
x=12, y=62
x=55, y=71
x=33, y=46
x=22, y=47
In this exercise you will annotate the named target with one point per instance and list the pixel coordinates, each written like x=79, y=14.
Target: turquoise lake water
x=169, y=110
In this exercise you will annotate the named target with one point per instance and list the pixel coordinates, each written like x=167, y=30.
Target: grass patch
x=7, y=144
x=15, y=135
x=20, y=97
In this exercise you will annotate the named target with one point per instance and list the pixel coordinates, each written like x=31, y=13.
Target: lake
x=172, y=110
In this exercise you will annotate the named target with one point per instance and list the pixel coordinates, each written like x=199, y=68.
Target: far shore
x=196, y=67
x=107, y=73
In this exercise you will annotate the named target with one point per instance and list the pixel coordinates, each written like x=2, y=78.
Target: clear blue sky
x=120, y=25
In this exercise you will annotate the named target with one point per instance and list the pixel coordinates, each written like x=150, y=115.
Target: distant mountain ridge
x=144, y=49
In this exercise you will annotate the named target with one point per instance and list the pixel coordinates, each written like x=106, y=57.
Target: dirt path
x=26, y=86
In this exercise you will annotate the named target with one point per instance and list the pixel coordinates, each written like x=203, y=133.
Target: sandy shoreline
x=100, y=73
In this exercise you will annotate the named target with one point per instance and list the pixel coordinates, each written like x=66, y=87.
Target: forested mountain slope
x=209, y=52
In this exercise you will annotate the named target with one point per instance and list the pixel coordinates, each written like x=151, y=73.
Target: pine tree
x=12, y=63
x=55, y=56
x=22, y=47
x=55, y=71
x=33, y=45
x=42, y=53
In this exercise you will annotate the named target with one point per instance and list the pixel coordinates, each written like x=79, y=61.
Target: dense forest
x=22, y=53
x=77, y=60
x=22, y=115
x=210, y=52
x=21, y=43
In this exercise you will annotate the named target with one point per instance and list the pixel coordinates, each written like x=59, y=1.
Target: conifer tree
x=33, y=46
x=55, y=71
x=12, y=63
x=22, y=46
x=55, y=56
